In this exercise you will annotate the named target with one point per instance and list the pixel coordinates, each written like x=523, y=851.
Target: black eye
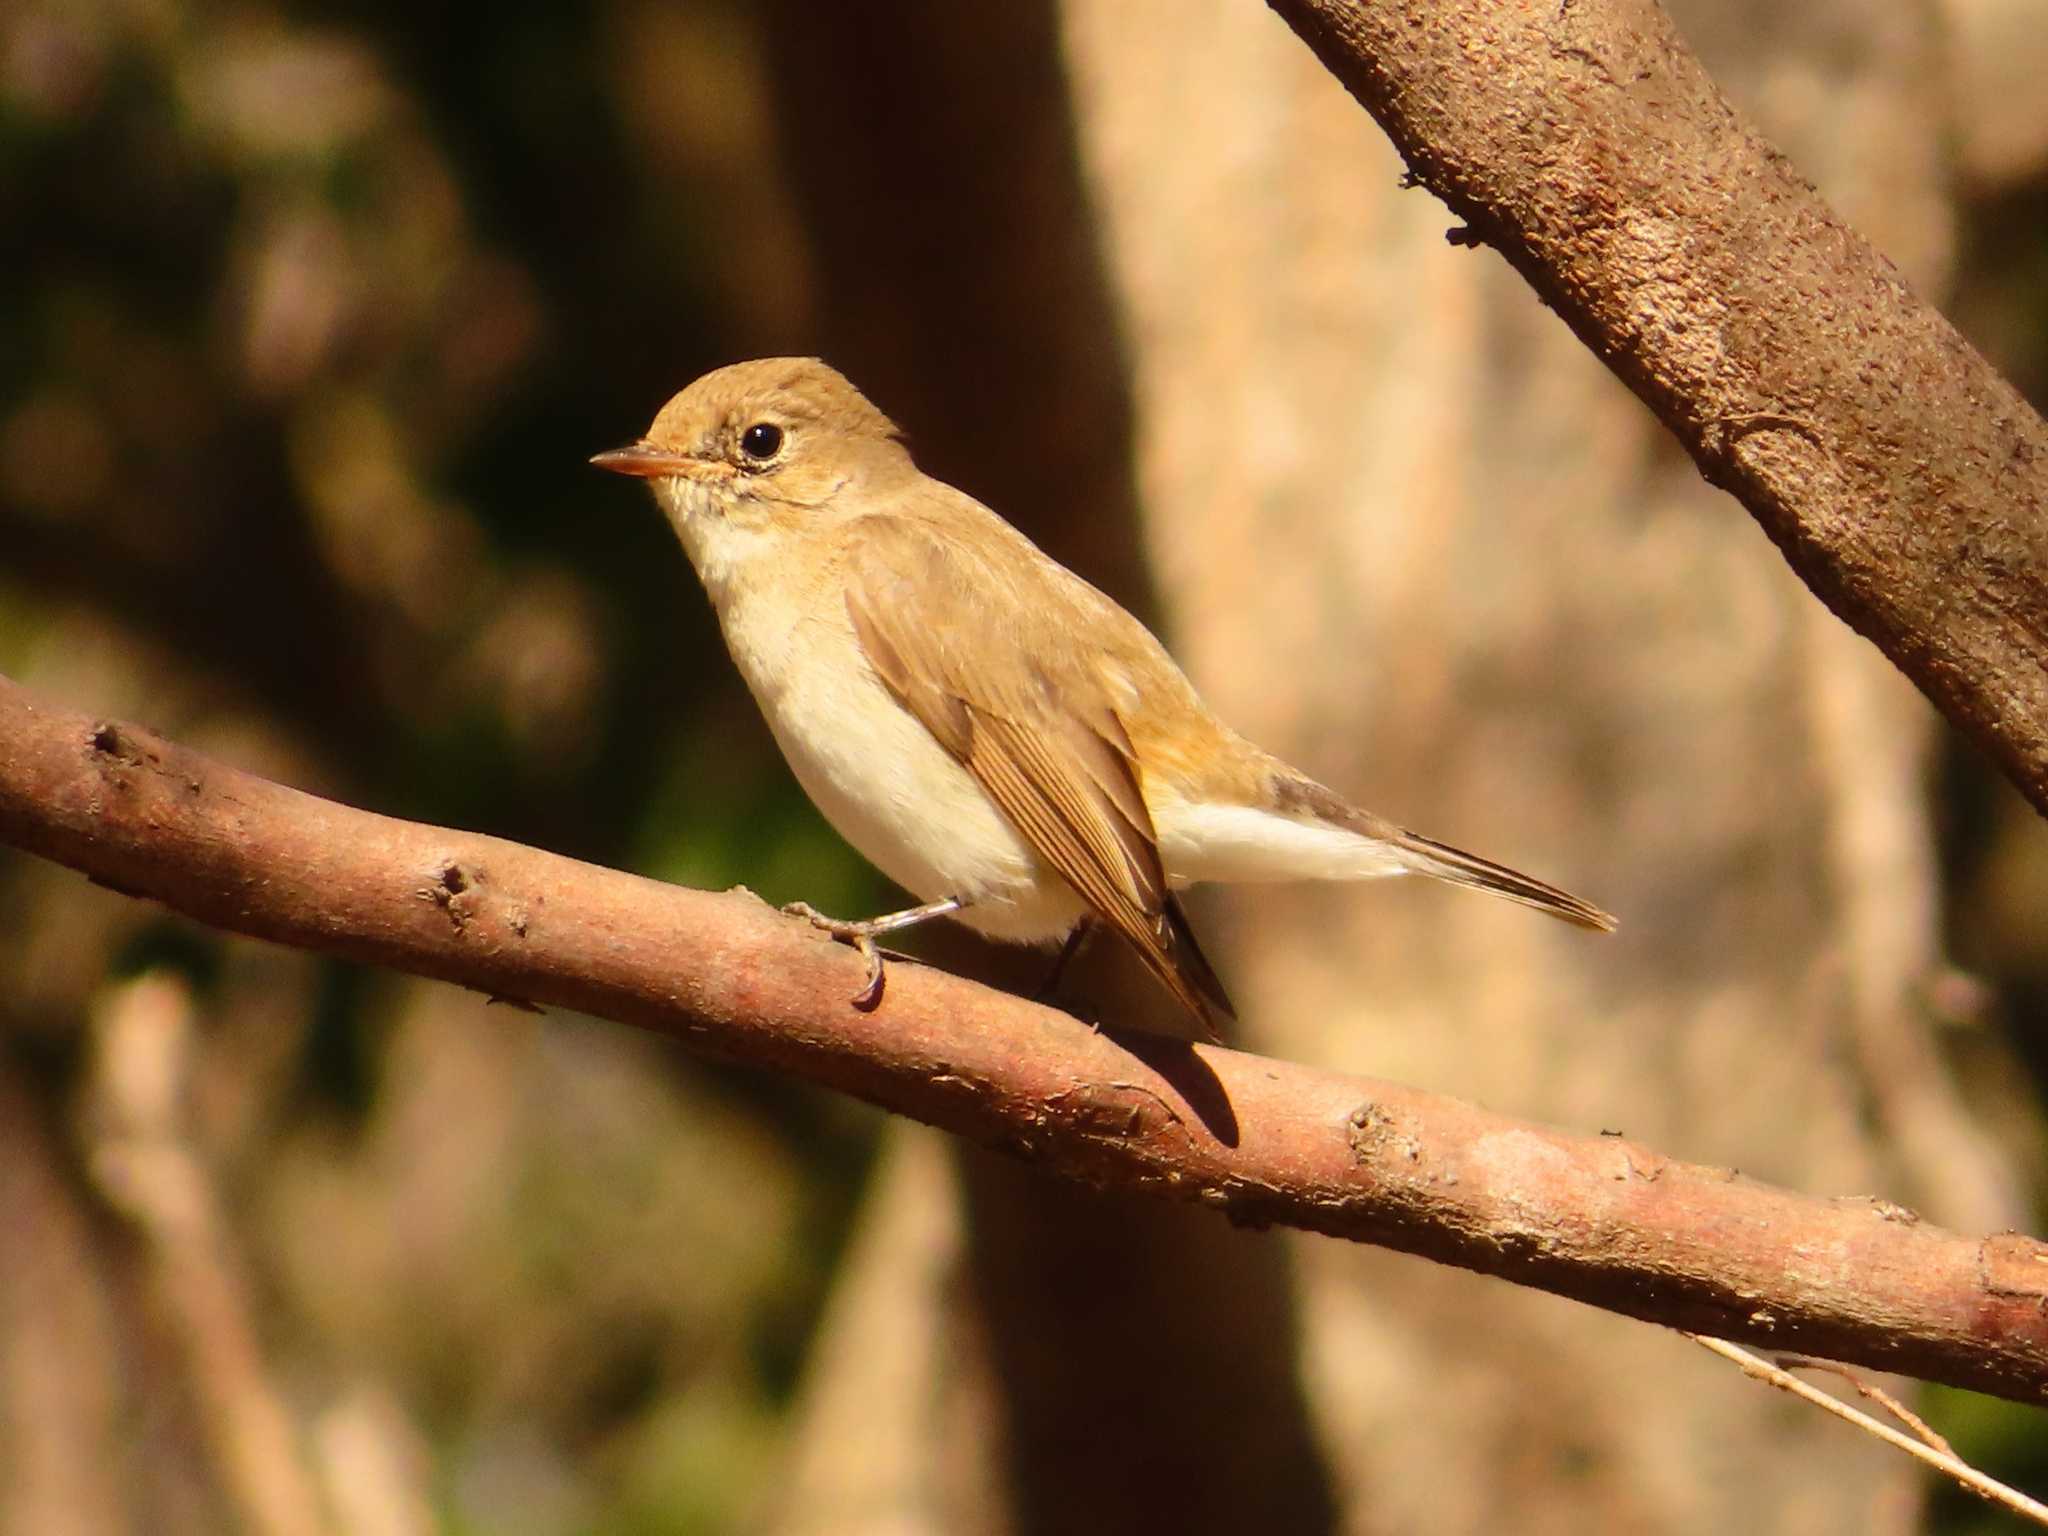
x=762, y=441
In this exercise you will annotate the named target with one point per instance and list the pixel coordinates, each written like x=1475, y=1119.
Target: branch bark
x=1901, y=476
x=1261, y=1141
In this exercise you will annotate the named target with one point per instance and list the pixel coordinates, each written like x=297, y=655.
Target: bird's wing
x=985, y=659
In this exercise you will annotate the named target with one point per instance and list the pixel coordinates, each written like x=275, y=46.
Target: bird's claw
x=858, y=936
x=869, y=997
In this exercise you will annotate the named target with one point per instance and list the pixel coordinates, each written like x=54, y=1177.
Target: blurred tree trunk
x=1997, y=54
x=60, y=1408
x=1415, y=539
x=1142, y=1358
x=899, y=1367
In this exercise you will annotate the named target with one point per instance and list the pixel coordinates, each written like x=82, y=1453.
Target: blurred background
x=312, y=314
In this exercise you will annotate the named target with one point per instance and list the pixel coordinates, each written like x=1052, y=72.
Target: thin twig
x=1876, y=1394
x=1942, y=1461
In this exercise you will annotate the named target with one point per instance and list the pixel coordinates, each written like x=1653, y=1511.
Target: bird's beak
x=645, y=460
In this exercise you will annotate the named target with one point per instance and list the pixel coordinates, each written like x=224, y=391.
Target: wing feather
x=996, y=679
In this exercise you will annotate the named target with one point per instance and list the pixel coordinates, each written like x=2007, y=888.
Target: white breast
x=878, y=776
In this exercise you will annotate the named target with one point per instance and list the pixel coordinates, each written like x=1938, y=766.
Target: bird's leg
x=863, y=933
x=1077, y=940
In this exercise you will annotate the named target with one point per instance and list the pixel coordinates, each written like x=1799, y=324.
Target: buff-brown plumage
x=985, y=726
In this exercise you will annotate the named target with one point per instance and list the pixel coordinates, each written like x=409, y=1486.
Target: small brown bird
x=994, y=734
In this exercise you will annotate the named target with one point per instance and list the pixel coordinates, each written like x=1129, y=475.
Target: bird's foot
x=858, y=934
x=861, y=935
x=1053, y=993
x=1077, y=940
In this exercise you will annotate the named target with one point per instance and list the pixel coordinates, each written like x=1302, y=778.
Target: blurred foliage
x=312, y=316
x=1998, y=1437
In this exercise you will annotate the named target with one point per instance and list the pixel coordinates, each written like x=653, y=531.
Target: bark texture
x=1257, y=1140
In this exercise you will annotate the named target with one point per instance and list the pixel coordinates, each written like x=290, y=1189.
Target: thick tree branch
x=1599, y=1219
x=1902, y=477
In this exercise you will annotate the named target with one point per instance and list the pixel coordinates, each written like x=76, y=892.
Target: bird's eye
x=761, y=442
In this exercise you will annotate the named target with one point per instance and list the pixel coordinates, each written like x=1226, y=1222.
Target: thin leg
x=1077, y=940
x=862, y=935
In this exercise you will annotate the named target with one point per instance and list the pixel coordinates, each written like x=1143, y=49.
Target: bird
x=998, y=737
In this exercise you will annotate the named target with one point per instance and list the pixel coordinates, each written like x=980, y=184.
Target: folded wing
x=984, y=660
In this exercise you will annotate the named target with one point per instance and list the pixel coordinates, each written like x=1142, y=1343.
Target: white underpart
x=869, y=766
x=1241, y=843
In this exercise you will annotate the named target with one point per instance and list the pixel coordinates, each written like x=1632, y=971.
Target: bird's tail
x=1395, y=848
x=1426, y=856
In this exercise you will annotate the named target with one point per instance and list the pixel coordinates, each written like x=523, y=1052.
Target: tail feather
x=1297, y=795
x=1426, y=856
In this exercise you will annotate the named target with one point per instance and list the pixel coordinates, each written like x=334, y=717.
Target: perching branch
x=1598, y=1219
x=1902, y=477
